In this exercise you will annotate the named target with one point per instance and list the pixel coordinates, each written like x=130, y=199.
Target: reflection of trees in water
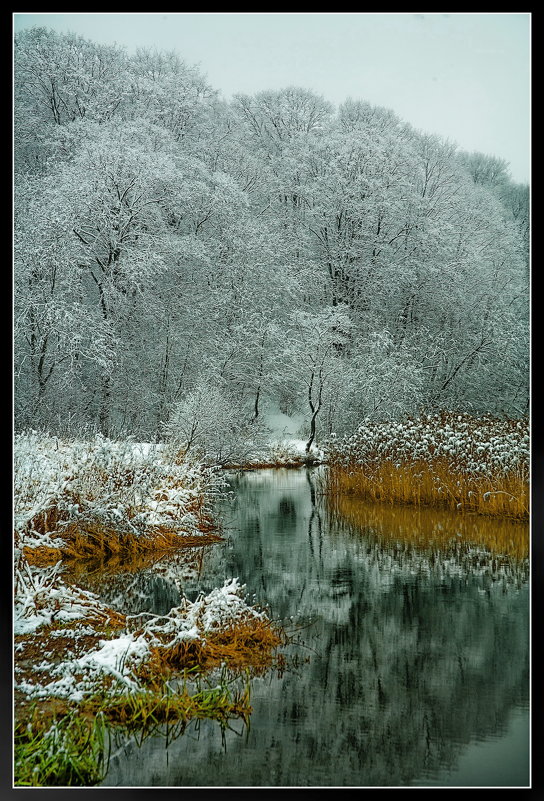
x=141, y=592
x=408, y=662
x=415, y=671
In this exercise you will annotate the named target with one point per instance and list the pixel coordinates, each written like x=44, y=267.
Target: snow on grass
x=71, y=646
x=478, y=464
x=222, y=608
x=479, y=445
x=43, y=599
x=127, y=486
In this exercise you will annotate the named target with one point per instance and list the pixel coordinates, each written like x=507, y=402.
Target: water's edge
x=412, y=670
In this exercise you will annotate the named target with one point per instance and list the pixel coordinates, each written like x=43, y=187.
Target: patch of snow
x=282, y=425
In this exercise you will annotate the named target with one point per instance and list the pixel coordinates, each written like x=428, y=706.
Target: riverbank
x=479, y=465
x=82, y=667
x=75, y=498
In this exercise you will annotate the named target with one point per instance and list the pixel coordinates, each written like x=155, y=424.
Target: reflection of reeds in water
x=93, y=541
x=95, y=570
x=426, y=528
x=145, y=581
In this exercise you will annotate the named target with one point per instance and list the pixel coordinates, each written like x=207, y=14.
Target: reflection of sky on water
x=500, y=760
x=411, y=665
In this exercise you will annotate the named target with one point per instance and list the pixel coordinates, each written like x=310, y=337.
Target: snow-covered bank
x=68, y=626
x=80, y=666
x=287, y=452
x=76, y=658
x=479, y=464
x=138, y=491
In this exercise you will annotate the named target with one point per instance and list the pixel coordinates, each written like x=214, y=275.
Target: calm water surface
x=412, y=655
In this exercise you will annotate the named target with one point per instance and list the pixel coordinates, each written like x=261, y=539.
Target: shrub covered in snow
x=212, y=424
x=42, y=598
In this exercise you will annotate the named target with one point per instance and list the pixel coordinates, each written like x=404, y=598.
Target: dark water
x=412, y=663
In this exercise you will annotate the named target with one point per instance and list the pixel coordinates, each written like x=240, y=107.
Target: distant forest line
x=184, y=265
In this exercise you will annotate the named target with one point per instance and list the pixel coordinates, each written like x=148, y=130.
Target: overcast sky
x=463, y=76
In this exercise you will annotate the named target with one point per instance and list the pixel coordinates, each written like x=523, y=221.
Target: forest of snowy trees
x=183, y=265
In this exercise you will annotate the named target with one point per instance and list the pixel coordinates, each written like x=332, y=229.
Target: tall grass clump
x=68, y=751
x=479, y=464
x=80, y=661
x=174, y=703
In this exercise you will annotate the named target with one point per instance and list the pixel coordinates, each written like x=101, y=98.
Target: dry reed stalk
x=248, y=643
x=434, y=483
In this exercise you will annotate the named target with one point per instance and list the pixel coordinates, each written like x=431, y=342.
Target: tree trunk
x=103, y=418
x=314, y=408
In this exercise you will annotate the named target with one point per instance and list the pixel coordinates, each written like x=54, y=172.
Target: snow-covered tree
x=337, y=264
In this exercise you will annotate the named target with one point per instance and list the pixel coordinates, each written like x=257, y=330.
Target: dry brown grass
x=433, y=483
x=247, y=644
x=106, y=498
x=47, y=521
x=447, y=460
x=86, y=540
x=42, y=555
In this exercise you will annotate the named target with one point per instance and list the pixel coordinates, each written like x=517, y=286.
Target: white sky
x=463, y=76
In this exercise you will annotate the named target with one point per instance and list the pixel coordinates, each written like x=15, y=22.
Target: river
x=409, y=659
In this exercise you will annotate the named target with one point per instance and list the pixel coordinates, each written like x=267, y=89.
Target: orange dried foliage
x=42, y=556
x=86, y=540
x=250, y=643
x=433, y=484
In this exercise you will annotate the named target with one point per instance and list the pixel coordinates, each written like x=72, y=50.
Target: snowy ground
x=117, y=485
x=282, y=426
x=285, y=444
